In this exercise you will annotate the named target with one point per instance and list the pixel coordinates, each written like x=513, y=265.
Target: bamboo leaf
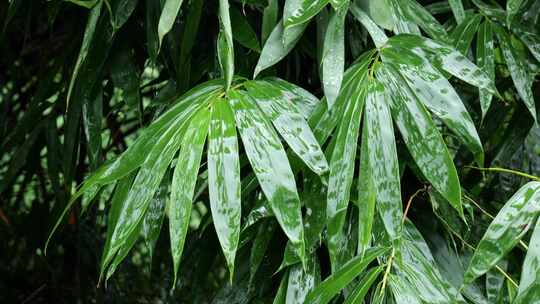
x=270, y=164
x=224, y=180
x=529, y=285
x=225, y=44
x=485, y=56
x=170, y=10
x=504, y=232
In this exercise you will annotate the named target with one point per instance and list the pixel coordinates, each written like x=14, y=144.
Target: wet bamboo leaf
x=269, y=20
x=224, y=180
x=512, y=8
x=270, y=164
x=447, y=59
x=333, y=54
x=529, y=285
x=183, y=183
x=303, y=99
x=154, y=217
x=381, y=12
x=242, y=31
x=457, y=10
x=438, y=95
x=382, y=159
x=518, y=70
x=297, y=12
x=530, y=39
x=362, y=288
x=290, y=123
x=170, y=10
x=377, y=34
x=342, y=165
x=225, y=44
x=419, y=15
x=504, y=232
x=281, y=295
x=275, y=49
x=463, y=34
x=260, y=245
x=332, y=285
x=485, y=57
x=423, y=140
x=366, y=195
x=301, y=281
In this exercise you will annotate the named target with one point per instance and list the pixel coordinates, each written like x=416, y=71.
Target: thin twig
x=504, y=170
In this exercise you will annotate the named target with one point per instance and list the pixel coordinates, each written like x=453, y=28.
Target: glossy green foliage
x=263, y=151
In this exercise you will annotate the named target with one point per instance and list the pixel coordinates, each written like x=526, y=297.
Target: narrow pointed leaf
x=446, y=58
x=242, y=31
x=290, y=123
x=153, y=220
x=423, y=140
x=170, y=10
x=366, y=195
x=438, y=95
x=183, y=183
x=342, y=166
x=363, y=286
x=505, y=231
x=457, y=10
x=270, y=164
x=303, y=99
x=333, y=56
x=529, y=284
x=332, y=285
x=302, y=281
x=376, y=33
x=419, y=15
x=512, y=8
x=463, y=34
x=382, y=159
x=485, y=59
x=297, y=12
x=224, y=179
x=225, y=44
x=518, y=69
x=275, y=49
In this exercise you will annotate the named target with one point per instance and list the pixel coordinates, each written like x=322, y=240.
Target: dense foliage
x=265, y=151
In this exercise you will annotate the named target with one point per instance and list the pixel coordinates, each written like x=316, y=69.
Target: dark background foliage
x=39, y=45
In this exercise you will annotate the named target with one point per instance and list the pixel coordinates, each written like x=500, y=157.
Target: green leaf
x=260, y=245
x=518, y=69
x=530, y=39
x=422, y=138
x=333, y=56
x=512, y=8
x=297, y=12
x=224, y=179
x=332, y=285
x=485, y=59
x=363, y=286
x=377, y=34
x=170, y=10
x=463, y=34
x=290, y=123
x=86, y=4
x=446, y=58
x=275, y=49
x=301, y=281
x=269, y=20
x=154, y=217
x=342, y=169
x=505, y=231
x=382, y=159
x=366, y=195
x=529, y=285
x=380, y=11
x=242, y=31
x=457, y=10
x=225, y=44
x=183, y=183
x=270, y=164
x=437, y=94
x=281, y=295
x=303, y=99
x=419, y=15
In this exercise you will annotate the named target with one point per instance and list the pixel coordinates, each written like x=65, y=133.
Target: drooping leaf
x=463, y=34
x=297, y=12
x=224, y=179
x=512, y=8
x=504, y=232
x=422, y=138
x=366, y=195
x=457, y=10
x=529, y=285
x=242, y=30
x=485, y=59
x=225, y=44
x=419, y=15
x=302, y=281
x=342, y=165
x=377, y=34
x=333, y=54
x=170, y=10
x=518, y=71
x=382, y=159
x=270, y=164
x=290, y=123
x=361, y=289
x=331, y=286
